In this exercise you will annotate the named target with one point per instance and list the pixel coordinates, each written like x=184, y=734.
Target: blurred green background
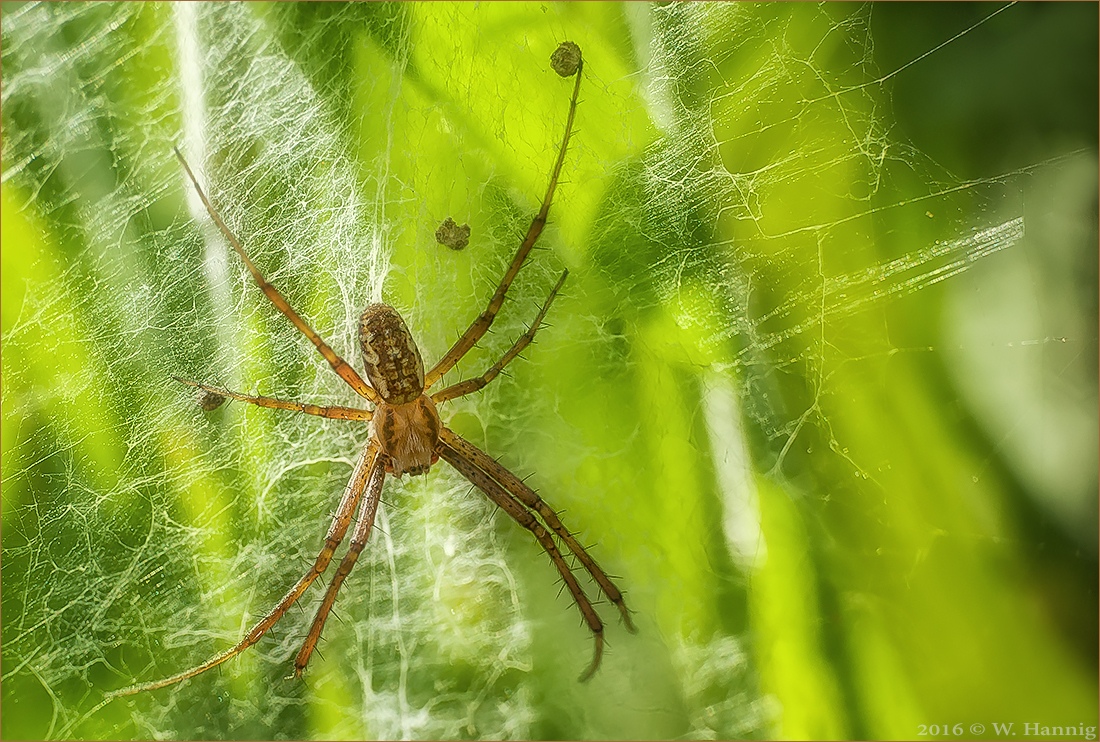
x=821, y=389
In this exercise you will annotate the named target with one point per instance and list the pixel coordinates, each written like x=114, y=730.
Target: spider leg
x=333, y=412
x=469, y=386
x=345, y=371
x=358, y=541
x=364, y=467
x=519, y=489
x=526, y=518
x=481, y=325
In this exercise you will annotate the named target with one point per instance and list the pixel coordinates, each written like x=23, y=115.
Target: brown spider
x=407, y=436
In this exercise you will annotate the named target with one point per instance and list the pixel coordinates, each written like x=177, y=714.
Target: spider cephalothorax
x=406, y=434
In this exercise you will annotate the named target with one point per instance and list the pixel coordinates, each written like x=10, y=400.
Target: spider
x=406, y=435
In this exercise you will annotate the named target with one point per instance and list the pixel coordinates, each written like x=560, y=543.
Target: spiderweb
x=748, y=242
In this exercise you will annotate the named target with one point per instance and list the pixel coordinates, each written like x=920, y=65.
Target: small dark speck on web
x=566, y=59
x=452, y=235
x=209, y=400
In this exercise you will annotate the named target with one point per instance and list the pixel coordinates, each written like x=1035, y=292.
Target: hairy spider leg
x=330, y=411
x=495, y=492
x=358, y=540
x=519, y=489
x=469, y=386
x=339, y=365
x=365, y=466
x=481, y=325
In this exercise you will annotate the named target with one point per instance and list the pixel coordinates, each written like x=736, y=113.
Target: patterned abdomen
x=392, y=360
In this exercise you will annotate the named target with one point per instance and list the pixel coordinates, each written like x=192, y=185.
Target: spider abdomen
x=390, y=356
